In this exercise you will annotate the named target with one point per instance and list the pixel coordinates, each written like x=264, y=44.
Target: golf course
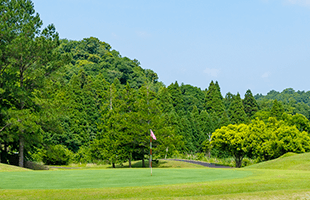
x=287, y=177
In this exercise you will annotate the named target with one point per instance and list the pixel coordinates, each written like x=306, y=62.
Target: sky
x=261, y=45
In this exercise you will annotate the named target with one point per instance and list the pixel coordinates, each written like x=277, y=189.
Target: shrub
x=56, y=155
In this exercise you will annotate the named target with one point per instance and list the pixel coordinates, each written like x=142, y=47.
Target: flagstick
x=151, y=152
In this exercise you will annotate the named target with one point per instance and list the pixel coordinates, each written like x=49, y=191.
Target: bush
x=82, y=156
x=35, y=166
x=56, y=155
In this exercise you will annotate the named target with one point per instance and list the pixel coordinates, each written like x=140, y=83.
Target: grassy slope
x=11, y=168
x=287, y=162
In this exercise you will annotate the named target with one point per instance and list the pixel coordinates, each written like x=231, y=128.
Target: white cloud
x=266, y=75
x=143, y=34
x=211, y=72
x=299, y=2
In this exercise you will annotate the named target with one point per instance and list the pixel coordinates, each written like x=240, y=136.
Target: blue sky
x=260, y=45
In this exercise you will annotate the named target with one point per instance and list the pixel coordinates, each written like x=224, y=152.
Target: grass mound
x=289, y=161
x=11, y=168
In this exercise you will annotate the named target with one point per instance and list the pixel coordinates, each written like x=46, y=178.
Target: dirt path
x=211, y=165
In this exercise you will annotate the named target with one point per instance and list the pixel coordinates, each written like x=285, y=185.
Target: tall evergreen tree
x=228, y=99
x=214, y=100
x=277, y=109
x=249, y=103
x=165, y=100
x=177, y=98
x=236, y=111
x=195, y=128
x=29, y=57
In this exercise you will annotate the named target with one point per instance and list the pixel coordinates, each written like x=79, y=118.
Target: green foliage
x=276, y=138
x=236, y=111
x=177, y=98
x=233, y=139
x=293, y=101
x=249, y=103
x=29, y=58
x=192, y=96
x=214, y=100
x=277, y=109
x=56, y=155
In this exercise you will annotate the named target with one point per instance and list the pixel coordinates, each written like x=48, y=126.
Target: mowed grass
x=76, y=179
x=289, y=161
x=256, y=184
x=11, y=168
x=248, y=183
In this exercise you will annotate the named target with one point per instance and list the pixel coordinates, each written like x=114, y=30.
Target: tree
x=214, y=100
x=233, y=139
x=236, y=111
x=30, y=57
x=249, y=103
x=275, y=138
x=177, y=98
x=277, y=109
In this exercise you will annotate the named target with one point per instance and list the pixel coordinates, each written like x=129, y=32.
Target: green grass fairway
x=288, y=161
x=196, y=183
x=76, y=179
x=262, y=184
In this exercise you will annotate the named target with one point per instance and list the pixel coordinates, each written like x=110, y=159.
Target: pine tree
x=195, y=127
x=249, y=103
x=165, y=100
x=228, y=99
x=214, y=100
x=236, y=111
x=177, y=98
x=277, y=109
x=224, y=121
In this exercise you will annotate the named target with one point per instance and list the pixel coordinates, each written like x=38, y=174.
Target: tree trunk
x=0, y=152
x=166, y=153
x=129, y=160
x=238, y=161
x=21, y=151
x=4, y=154
x=113, y=164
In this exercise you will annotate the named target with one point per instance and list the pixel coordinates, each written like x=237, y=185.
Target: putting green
x=75, y=179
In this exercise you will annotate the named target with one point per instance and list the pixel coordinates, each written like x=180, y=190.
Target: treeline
x=293, y=102
x=81, y=101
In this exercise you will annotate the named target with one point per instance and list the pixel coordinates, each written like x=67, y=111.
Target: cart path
x=211, y=165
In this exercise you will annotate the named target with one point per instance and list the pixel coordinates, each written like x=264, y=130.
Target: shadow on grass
x=138, y=164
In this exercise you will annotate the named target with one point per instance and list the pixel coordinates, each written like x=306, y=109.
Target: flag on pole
x=152, y=134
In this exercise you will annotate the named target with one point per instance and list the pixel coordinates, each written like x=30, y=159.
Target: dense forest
x=67, y=101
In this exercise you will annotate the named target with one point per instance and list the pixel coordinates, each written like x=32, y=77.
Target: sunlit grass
x=11, y=168
x=288, y=161
x=291, y=182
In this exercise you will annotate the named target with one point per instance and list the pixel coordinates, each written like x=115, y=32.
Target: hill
x=11, y=168
x=289, y=161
